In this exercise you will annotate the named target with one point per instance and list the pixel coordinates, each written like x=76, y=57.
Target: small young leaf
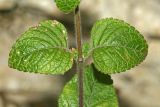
x=67, y=6
x=98, y=90
x=86, y=50
x=117, y=46
x=75, y=53
x=42, y=49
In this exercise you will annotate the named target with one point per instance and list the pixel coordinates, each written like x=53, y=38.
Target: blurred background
x=139, y=87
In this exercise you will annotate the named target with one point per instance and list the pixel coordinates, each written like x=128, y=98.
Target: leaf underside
x=117, y=46
x=67, y=6
x=42, y=49
x=98, y=91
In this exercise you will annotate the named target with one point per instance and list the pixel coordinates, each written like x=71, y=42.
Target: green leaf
x=98, y=90
x=86, y=50
x=42, y=49
x=67, y=6
x=117, y=46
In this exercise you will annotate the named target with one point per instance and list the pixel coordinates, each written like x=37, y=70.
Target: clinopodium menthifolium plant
x=115, y=47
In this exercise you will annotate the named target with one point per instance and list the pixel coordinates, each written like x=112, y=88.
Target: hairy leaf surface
x=42, y=49
x=117, y=46
x=98, y=90
x=67, y=6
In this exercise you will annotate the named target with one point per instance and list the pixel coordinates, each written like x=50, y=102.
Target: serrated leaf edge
x=115, y=72
x=63, y=48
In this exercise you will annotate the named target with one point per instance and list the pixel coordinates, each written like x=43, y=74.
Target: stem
x=80, y=56
x=78, y=33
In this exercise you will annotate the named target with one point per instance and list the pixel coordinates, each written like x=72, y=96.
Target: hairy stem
x=80, y=56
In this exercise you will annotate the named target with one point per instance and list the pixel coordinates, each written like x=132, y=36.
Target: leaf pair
x=115, y=47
